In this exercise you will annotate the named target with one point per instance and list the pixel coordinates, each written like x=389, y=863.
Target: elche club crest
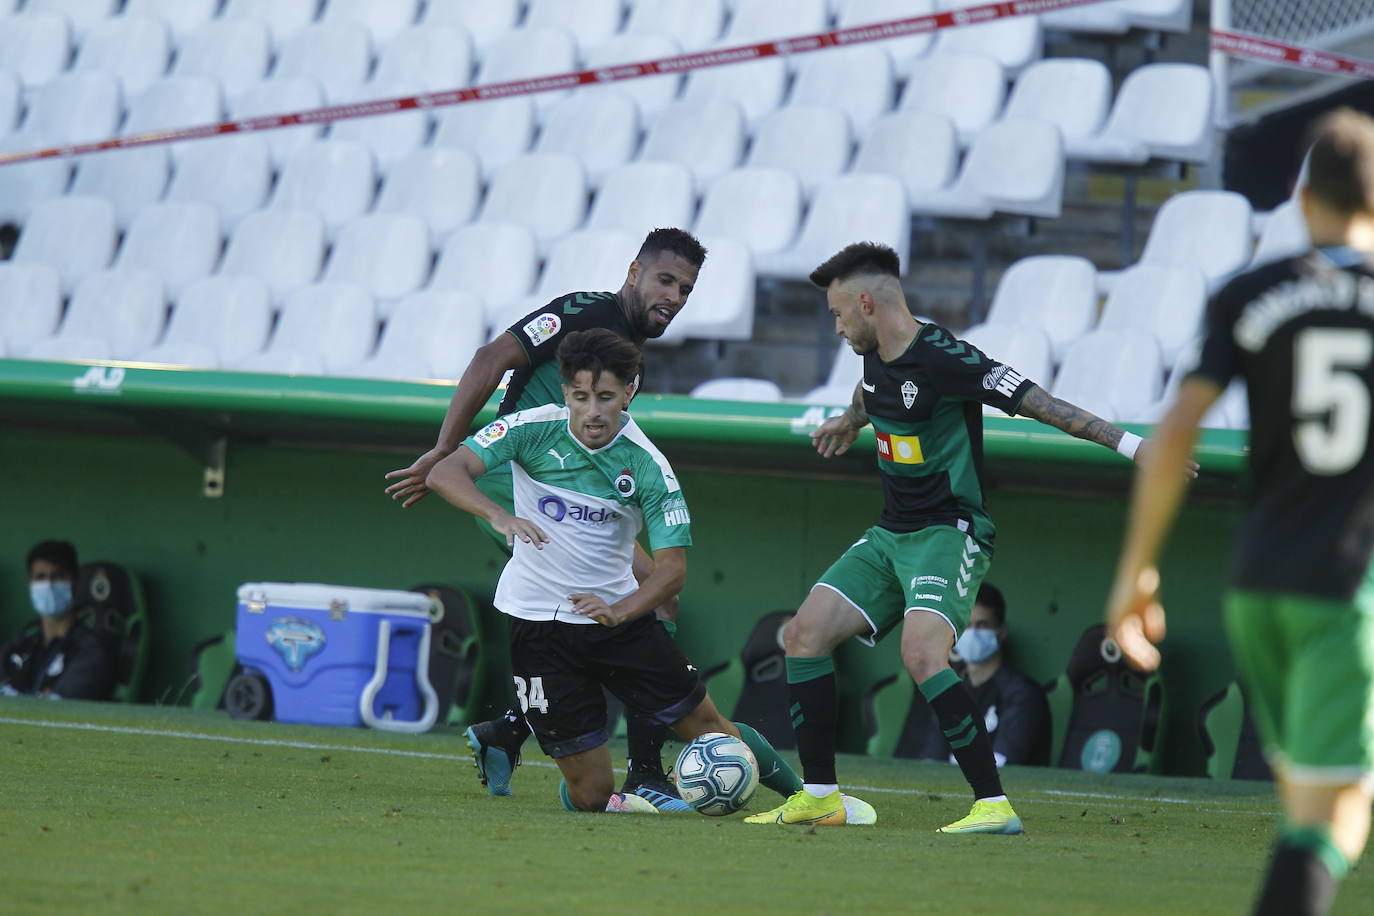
x=909, y=391
x=625, y=484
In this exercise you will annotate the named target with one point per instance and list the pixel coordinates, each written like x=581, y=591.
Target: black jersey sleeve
x=1218, y=359
x=541, y=331
x=962, y=371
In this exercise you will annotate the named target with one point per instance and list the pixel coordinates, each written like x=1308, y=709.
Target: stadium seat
x=590, y=22
x=707, y=137
x=323, y=328
x=846, y=371
x=283, y=18
x=75, y=108
x=497, y=262
x=966, y=88
x=812, y=142
x=26, y=184
x=496, y=131
x=857, y=80
x=901, y=51
x=82, y=14
x=760, y=207
x=756, y=86
x=113, y=314
x=752, y=687
x=1056, y=293
x=1163, y=111
x=109, y=598
x=694, y=24
x=30, y=304
x=458, y=656
x=335, y=178
x=763, y=20
x=180, y=242
x=182, y=17
x=1024, y=347
x=386, y=254
x=133, y=49
x=10, y=107
x=76, y=235
x=1208, y=229
x=526, y=53
x=870, y=207
x=1230, y=741
x=1014, y=42
x=432, y=57
x=600, y=129
x=35, y=46
x=1072, y=93
x=338, y=55
x=738, y=389
x=189, y=101
x=592, y=260
x=918, y=148
x=131, y=179
x=429, y=334
x=1119, y=16
x=281, y=97
x=1231, y=410
x=383, y=19
x=390, y=137
x=236, y=52
x=213, y=662
x=1283, y=234
x=1165, y=301
x=217, y=321
x=547, y=193
x=721, y=306
x=441, y=186
x=232, y=174
x=282, y=247
x=484, y=20
x=1116, y=374
x=643, y=195
x=650, y=94
x=1015, y=166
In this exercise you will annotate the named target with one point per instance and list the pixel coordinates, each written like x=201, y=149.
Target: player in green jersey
x=920, y=566
x=1300, y=612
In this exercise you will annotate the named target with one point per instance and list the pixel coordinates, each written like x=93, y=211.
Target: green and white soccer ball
x=716, y=774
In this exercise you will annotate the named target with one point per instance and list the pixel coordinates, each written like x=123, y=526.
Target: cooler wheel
x=248, y=696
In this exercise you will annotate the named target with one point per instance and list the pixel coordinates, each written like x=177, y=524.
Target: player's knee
x=924, y=662
x=802, y=637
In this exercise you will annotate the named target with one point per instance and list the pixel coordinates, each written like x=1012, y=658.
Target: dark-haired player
x=656, y=287
x=1300, y=612
x=920, y=566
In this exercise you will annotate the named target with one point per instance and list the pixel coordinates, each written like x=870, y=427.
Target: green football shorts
x=885, y=575
x=1308, y=664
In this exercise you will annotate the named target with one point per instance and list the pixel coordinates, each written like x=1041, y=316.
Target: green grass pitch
x=112, y=809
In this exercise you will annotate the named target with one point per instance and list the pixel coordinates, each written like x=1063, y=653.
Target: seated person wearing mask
x=1012, y=705
x=62, y=658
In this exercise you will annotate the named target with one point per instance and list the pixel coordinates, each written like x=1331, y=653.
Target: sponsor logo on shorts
x=900, y=449
x=909, y=391
x=542, y=327
x=927, y=597
x=939, y=581
x=490, y=433
x=1004, y=379
x=556, y=509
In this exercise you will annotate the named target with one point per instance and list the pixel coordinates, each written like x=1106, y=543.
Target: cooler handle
x=369, y=694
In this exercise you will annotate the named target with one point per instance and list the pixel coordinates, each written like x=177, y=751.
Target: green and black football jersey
x=540, y=332
x=1301, y=334
x=925, y=406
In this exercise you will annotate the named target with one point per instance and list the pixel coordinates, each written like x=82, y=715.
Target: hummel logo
x=871, y=389
x=561, y=458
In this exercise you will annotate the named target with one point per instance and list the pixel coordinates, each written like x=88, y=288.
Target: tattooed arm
x=1039, y=404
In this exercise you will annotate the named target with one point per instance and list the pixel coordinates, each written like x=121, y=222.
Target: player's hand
x=834, y=436
x=595, y=607
x=411, y=484
x=514, y=527
x=1135, y=619
x=1190, y=468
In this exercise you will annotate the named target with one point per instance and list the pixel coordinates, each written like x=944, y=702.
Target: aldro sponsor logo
x=675, y=512
x=900, y=449
x=556, y=509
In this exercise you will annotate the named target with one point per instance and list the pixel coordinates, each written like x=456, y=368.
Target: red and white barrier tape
x=1269, y=51
x=898, y=28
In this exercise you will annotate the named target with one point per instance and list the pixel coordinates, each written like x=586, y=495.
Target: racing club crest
x=625, y=484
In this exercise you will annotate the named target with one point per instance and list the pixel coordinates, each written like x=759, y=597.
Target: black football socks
x=811, y=683
x=1303, y=875
x=964, y=730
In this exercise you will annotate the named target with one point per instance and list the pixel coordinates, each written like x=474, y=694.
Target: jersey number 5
x=1331, y=398
x=533, y=698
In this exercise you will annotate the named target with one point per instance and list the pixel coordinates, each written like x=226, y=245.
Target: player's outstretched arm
x=454, y=478
x=1135, y=618
x=837, y=434
x=483, y=374
x=666, y=580
x=1039, y=404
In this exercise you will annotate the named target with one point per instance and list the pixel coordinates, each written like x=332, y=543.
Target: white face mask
x=978, y=644
x=51, y=598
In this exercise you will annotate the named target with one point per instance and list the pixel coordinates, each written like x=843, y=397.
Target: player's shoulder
x=584, y=302
x=1255, y=282
x=644, y=460
x=531, y=421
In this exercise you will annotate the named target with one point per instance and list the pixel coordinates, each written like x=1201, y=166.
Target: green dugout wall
x=201, y=481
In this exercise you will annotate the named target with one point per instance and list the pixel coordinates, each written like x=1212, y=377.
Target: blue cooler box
x=335, y=655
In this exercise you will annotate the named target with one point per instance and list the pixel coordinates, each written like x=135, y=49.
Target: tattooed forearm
x=855, y=415
x=1039, y=404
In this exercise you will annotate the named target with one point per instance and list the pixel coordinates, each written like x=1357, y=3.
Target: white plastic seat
x=182, y=17
x=283, y=18
x=762, y=20
x=496, y=261
x=1230, y=411
x=76, y=235
x=1117, y=17
x=232, y=174
x=1284, y=235
x=856, y=80
x=546, y=193
x=432, y=57
x=918, y=148
x=383, y=19
x=760, y=207
x=323, y=328
x=1208, y=229
x=651, y=94
x=526, y=53
x=1115, y=374
x=179, y=242
x=30, y=304
x=1166, y=302
x=338, y=55
x=590, y=22
x=495, y=130
x=1072, y=93
x=484, y=20
x=24, y=185
x=440, y=186
x=236, y=52
x=601, y=129
x=901, y=51
x=966, y=88
x=1056, y=293
x=75, y=108
x=134, y=49
x=1163, y=111
x=756, y=86
x=280, y=97
x=707, y=137
x=1014, y=166
x=812, y=142
x=846, y=371
x=738, y=389
x=82, y=14
x=284, y=248
x=35, y=46
x=868, y=207
x=593, y=259
x=10, y=90
x=188, y=101
x=721, y=306
x=695, y=24
x=390, y=137
x=1013, y=42
x=643, y=195
x=335, y=178
x=217, y=321
x=430, y=334
x=1023, y=347
x=386, y=254
x=113, y=314
x=130, y=178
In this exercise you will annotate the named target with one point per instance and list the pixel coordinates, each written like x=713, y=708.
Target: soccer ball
x=716, y=774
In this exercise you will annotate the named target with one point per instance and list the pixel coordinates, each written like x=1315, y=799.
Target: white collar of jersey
x=1343, y=255
x=625, y=421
